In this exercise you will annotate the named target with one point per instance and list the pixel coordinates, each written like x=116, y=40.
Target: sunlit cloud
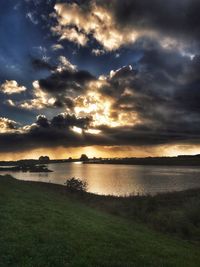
x=11, y=87
x=93, y=131
x=39, y=101
x=56, y=47
x=65, y=64
x=100, y=107
x=79, y=22
x=76, y=25
x=77, y=130
x=70, y=34
x=10, y=102
x=7, y=125
x=98, y=52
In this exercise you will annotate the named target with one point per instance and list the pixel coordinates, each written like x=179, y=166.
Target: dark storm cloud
x=65, y=121
x=65, y=80
x=61, y=121
x=164, y=92
x=146, y=135
x=44, y=133
x=42, y=121
x=48, y=134
x=172, y=17
x=62, y=102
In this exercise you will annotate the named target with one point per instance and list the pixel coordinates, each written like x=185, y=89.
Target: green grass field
x=41, y=226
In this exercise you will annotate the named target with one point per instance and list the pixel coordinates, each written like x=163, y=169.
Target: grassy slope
x=41, y=227
x=175, y=213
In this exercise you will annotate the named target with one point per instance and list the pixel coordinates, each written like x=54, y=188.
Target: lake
x=120, y=180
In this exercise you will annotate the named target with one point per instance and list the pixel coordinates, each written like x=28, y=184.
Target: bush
x=75, y=184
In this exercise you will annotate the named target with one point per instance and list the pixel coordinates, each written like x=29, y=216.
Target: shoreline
x=184, y=160
x=60, y=187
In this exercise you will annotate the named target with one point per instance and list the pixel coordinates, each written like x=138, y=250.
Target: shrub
x=75, y=184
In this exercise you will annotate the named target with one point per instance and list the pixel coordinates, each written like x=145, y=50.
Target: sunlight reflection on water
x=120, y=179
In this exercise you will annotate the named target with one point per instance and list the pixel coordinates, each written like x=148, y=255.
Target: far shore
x=183, y=160
x=25, y=168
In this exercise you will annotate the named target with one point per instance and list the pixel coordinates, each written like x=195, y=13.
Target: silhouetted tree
x=44, y=158
x=84, y=157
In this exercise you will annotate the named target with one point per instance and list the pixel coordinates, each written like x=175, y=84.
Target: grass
x=43, y=225
x=175, y=213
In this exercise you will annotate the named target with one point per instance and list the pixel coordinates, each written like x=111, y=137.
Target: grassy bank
x=43, y=225
x=175, y=213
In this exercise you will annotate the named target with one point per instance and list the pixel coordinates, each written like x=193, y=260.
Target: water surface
x=120, y=179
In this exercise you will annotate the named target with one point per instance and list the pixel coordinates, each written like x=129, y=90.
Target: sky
x=105, y=78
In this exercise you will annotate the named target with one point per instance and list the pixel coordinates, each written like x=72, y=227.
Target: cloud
x=61, y=131
x=58, y=89
x=42, y=133
x=116, y=23
x=63, y=121
x=7, y=125
x=66, y=82
x=39, y=101
x=32, y=17
x=77, y=22
x=173, y=17
x=10, y=102
x=70, y=34
x=163, y=92
x=159, y=96
x=151, y=101
x=56, y=47
x=100, y=106
x=65, y=64
x=11, y=87
x=98, y=52
x=154, y=103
